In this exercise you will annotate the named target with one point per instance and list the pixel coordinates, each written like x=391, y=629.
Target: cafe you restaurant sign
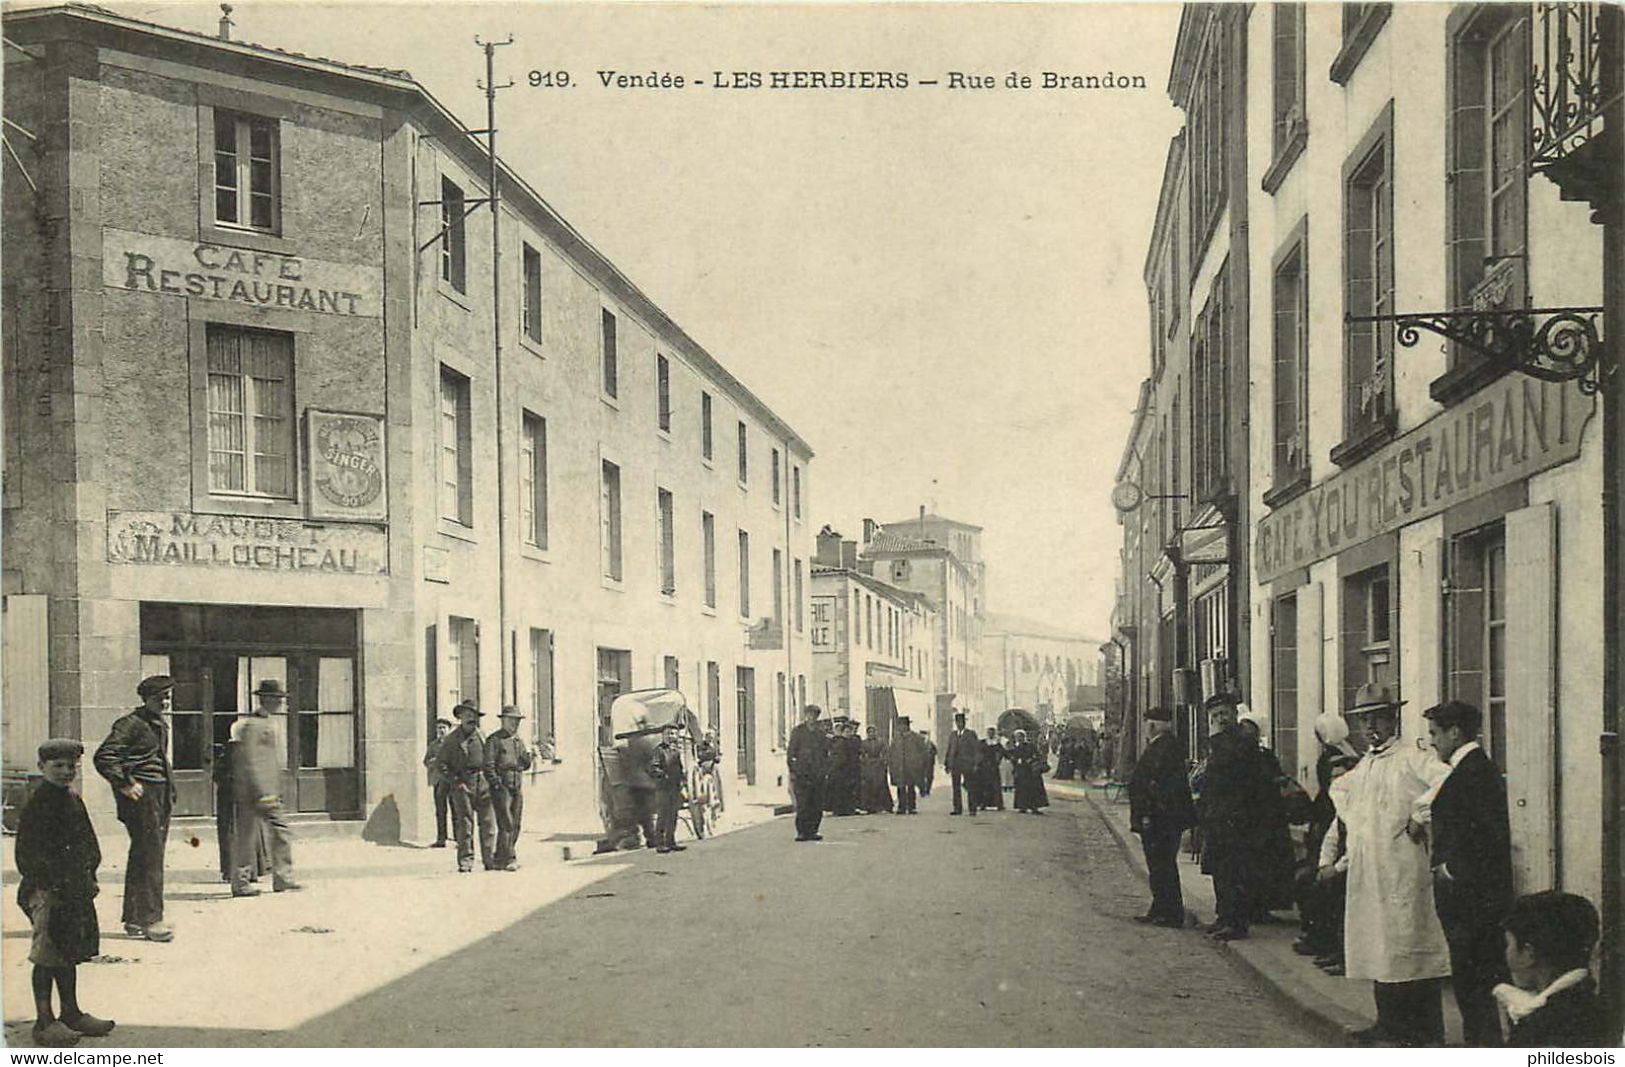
x=1510, y=430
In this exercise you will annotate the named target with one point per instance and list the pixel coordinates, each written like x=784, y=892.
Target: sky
x=938, y=288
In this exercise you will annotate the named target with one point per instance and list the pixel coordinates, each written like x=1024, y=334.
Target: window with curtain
x=251, y=412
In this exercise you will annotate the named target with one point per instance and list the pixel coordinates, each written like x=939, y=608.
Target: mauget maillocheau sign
x=1512, y=429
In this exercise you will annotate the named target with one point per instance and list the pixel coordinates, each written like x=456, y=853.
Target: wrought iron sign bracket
x=1552, y=344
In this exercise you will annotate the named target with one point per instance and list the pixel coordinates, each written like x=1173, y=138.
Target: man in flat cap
x=257, y=778
x=466, y=765
x=135, y=761
x=1160, y=811
x=1391, y=932
x=437, y=782
x=1472, y=867
x=510, y=759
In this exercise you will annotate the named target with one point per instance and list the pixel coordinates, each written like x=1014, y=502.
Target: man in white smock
x=1392, y=934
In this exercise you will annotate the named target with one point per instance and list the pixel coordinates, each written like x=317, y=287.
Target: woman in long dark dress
x=874, y=794
x=841, y=788
x=1028, y=762
x=989, y=794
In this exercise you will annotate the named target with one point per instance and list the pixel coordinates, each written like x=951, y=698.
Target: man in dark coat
x=807, y=755
x=1232, y=792
x=928, y=763
x=841, y=786
x=1160, y=811
x=466, y=765
x=903, y=760
x=257, y=778
x=666, y=767
x=1472, y=867
x=437, y=783
x=135, y=761
x=961, y=759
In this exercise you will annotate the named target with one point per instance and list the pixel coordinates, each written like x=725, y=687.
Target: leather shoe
x=438, y=844
x=816, y=837
x=245, y=891
x=158, y=931
x=287, y=887
x=1149, y=918
x=55, y=1034
x=89, y=1025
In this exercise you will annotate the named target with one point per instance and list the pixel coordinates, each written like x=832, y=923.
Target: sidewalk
x=1336, y=1005
x=368, y=915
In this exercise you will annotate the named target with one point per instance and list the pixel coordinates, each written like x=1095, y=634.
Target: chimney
x=829, y=548
x=869, y=528
x=849, y=555
x=225, y=22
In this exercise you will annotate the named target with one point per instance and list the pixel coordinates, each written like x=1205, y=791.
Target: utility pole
x=507, y=652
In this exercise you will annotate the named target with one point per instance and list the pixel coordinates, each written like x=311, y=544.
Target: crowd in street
x=1403, y=876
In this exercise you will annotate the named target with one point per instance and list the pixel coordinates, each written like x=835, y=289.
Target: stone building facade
x=256, y=427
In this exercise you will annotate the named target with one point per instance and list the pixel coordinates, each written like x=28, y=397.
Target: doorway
x=745, y=678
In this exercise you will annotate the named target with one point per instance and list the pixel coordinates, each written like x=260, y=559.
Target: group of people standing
x=480, y=779
x=1408, y=873
x=973, y=765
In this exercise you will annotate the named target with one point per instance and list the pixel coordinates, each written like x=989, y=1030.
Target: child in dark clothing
x=57, y=856
x=1553, y=1001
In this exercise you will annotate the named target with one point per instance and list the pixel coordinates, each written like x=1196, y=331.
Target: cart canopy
x=1019, y=719
x=644, y=710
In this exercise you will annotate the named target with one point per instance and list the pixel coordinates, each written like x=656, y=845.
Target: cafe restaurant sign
x=244, y=543
x=164, y=265
x=1510, y=430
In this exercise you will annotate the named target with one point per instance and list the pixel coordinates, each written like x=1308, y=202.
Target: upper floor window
x=1487, y=183
x=744, y=574
x=744, y=456
x=251, y=421
x=1291, y=358
x=612, y=367
x=1361, y=24
x=1368, y=284
x=795, y=490
x=609, y=517
x=1289, y=124
x=533, y=480
x=708, y=551
x=1207, y=133
x=453, y=248
x=668, y=537
x=530, y=305
x=775, y=473
x=663, y=393
x=705, y=425
x=1210, y=395
x=245, y=171
x=456, y=449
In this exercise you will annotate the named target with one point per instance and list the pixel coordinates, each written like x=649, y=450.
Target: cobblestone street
x=1004, y=929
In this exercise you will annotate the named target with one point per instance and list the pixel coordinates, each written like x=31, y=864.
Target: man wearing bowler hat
x=135, y=761
x=1391, y=932
x=510, y=759
x=1160, y=811
x=466, y=765
x=257, y=779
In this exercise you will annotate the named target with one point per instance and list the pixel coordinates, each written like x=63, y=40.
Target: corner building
x=254, y=430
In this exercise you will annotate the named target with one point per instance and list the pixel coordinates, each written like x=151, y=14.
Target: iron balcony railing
x=1567, y=80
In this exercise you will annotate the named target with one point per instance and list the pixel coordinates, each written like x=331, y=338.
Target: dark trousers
x=442, y=803
x=245, y=840
x=508, y=805
x=147, y=821
x=1161, y=847
x=925, y=783
x=963, y=783
x=643, y=813
x=809, y=805
x=1320, y=906
x=1472, y=930
x=1411, y=1013
x=907, y=797
x=1231, y=897
x=666, y=804
x=467, y=809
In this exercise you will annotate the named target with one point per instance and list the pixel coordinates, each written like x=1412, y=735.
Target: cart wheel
x=696, y=815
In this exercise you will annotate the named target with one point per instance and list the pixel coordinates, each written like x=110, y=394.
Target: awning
x=917, y=706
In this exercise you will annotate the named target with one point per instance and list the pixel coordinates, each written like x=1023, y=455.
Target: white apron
x=1391, y=931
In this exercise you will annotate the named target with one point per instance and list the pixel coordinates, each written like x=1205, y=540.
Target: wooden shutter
x=1311, y=667
x=1531, y=539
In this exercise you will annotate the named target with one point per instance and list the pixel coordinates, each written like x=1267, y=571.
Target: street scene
x=863, y=506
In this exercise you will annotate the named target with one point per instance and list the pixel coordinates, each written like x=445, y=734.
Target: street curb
x=1319, y=1014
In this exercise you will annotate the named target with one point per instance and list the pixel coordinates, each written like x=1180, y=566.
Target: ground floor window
x=1369, y=621
x=614, y=678
x=543, y=733
x=1475, y=631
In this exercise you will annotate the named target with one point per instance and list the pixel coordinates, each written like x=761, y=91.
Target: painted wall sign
x=824, y=611
x=1512, y=429
x=144, y=263
x=346, y=456
x=240, y=542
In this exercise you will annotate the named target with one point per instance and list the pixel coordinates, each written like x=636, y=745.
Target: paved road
x=1006, y=929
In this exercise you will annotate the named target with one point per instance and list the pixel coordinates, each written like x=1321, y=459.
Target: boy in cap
x=135, y=761
x=57, y=857
x=437, y=782
x=510, y=758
